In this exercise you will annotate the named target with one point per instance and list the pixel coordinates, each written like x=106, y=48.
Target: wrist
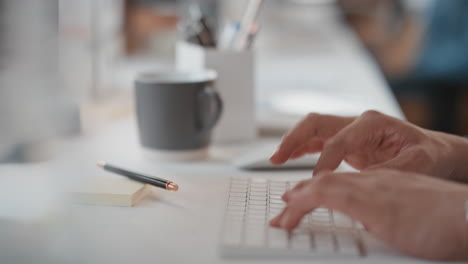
x=457, y=155
x=449, y=156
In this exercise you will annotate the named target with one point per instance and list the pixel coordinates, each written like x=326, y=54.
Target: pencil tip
x=173, y=187
x=101, y=164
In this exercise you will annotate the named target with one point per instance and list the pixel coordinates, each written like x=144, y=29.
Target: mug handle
x=210, y=107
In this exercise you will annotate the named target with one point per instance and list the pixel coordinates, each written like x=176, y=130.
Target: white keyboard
x=252, y=202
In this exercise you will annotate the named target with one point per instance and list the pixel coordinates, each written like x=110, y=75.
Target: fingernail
x=275, y=221
x=273, y=155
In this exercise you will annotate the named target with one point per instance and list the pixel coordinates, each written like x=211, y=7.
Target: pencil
x=155, y=181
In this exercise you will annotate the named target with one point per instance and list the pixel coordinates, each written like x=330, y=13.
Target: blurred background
x=418, y=45
x=67, y=67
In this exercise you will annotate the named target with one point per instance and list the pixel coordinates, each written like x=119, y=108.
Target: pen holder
x=235, y=84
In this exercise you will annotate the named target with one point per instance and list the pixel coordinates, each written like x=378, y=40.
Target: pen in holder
x=235, y=84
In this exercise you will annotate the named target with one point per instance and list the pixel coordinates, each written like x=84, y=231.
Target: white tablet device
x=258, y=158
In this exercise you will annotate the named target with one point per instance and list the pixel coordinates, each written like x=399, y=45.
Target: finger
x=313, y=146
x=351, y=194
x=275, y=222
x=300, y=202
x=300, y=185
x=342, y=192
x=333, y=153
x=298, y=153
x=350, y=139
x=292, y=218
x=314, y=125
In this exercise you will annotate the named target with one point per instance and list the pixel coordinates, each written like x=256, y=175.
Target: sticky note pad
x=111, y=191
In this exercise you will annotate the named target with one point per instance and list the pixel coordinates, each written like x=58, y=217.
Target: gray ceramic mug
x=176, y=111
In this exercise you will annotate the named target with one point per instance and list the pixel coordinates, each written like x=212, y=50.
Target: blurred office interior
x=417, y=45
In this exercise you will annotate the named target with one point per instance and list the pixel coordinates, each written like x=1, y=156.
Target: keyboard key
x=258, y=224
x=277, y=238
x=321, y=225
x=342, y=221
x=251, y=215
x=276, y=210
x=236, y=209
x=275, y=197
x=277, y=205
x=256, y=207
x=236, y=204
x=258, y=180
x=321, y=210
x=258, y=194
x=273, y=187
x=300, y=241
x=257, y=214
x=300, y=232
x=258, y=202
x=258, y=199
x=255, y=237
x=258, y=185
x=347, y=244
x=236, y=186
x=238, y=189
x=320, y=219
x=324, y=242
x=261, y=212
x=235, y=215
x=277, y=192
x=243, y=195
x=237, y=200
x=319, y=214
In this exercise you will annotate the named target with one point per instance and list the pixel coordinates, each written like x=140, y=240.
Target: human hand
x=419, y=215
x=374, y=140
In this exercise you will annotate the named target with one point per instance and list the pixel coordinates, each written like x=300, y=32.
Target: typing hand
x=374, y=140
x=422, y=216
